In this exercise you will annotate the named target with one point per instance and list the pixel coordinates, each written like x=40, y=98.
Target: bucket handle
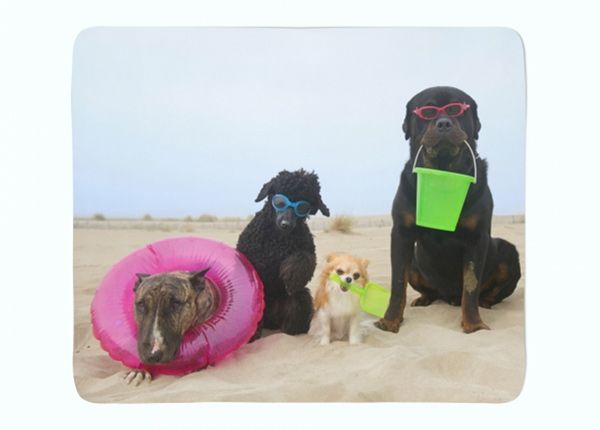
x=470, y=150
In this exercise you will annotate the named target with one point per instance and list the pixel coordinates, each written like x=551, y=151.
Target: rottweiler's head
x=441, y=119
x=166, y=306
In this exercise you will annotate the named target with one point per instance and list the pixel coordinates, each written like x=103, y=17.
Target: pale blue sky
x=177, y=122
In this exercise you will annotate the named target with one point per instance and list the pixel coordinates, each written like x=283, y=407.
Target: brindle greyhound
x=166, y=306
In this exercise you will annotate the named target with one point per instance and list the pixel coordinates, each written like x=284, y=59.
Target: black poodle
x=280, y=246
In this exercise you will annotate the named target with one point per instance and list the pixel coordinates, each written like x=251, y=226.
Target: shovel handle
x=352, y=286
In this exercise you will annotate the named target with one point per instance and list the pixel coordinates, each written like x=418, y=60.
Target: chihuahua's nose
x=348, y=279
x=443, y=124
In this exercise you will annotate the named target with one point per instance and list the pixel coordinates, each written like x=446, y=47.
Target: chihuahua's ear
x=198, y=280
x=140, y=278
x=330, y=257
x=364, y=263
x=264, y=191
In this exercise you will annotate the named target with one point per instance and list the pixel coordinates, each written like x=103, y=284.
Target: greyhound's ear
x=198, y=281
x=264, y=191
x=476, y=122
x=140, y=278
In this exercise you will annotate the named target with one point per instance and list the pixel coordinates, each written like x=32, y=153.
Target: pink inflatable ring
x=231, y=326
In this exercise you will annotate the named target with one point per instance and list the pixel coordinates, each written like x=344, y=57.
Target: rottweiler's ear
x=198, y=281
x=406, y=123
x=264, y=191
x=476, y=122
x=140, y=278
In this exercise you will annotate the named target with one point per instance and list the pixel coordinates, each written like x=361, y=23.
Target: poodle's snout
x=285, y=221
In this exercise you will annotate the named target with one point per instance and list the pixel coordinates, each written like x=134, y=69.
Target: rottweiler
x=466, y=267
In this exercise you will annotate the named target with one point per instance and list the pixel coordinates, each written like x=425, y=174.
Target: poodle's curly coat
x=285, y=261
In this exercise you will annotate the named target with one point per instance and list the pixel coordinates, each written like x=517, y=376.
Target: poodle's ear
x=330, y=257
x=323, y=208
x=264, y=191
x=320, y=206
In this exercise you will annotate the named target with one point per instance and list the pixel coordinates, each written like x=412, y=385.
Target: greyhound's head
x=166, y=306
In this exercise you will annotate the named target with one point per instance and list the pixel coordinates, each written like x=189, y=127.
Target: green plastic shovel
x=374, y=298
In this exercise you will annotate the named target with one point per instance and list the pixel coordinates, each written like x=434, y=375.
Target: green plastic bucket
x=374, y=298
x=441, y=195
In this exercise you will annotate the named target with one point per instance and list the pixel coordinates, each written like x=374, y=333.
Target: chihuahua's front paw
x=355, y=339
x=324, y=340
x=137, y=377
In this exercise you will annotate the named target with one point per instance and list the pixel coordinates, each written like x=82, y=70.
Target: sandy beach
x=430, y=359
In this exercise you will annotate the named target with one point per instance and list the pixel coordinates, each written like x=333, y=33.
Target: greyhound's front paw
x=389, y=325
x=137, y=377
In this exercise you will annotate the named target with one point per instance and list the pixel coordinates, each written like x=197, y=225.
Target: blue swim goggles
x=281, y=203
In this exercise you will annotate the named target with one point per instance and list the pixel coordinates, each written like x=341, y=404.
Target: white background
x=561, y=387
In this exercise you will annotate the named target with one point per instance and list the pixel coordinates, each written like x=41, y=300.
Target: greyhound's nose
x=348, y=279
x=443, y=124
x=156, y=356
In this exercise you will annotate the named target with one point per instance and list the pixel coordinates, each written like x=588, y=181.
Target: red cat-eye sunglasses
x=432, y=112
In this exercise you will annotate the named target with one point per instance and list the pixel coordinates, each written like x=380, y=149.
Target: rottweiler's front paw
x=137, y=377
x=469, y=327
x=389, y=325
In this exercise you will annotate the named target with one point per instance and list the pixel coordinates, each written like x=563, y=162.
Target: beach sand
x=430, y=359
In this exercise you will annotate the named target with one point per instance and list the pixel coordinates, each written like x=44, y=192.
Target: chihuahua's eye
x=356, y=275
x=339, y=272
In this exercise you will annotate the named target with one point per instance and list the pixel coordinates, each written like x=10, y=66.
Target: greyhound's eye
x=339, y=272
x=140, y=307
x=356, y=275
x=176, y=303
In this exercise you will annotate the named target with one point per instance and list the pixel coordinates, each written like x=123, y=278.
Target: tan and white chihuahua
x=337, y=309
